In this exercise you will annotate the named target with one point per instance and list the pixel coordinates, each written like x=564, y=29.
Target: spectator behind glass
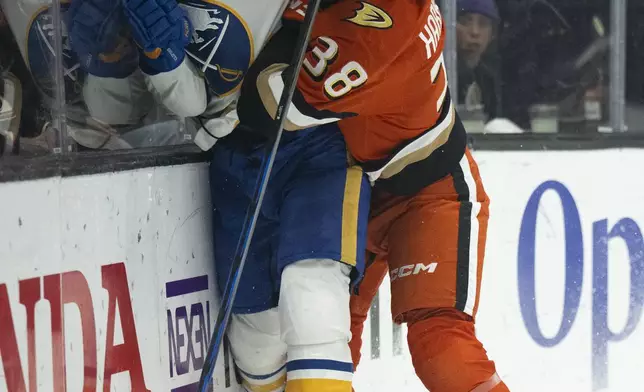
x=475, y=31
x=553, y=62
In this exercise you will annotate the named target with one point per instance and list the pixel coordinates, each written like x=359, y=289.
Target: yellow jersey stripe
x=265, y=387
x=350, y=213
x=318, y=384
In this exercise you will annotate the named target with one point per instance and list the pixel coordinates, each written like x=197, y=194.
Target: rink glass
x=562, y=74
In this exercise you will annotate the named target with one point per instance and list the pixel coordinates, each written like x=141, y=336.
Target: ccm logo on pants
x=412, y=269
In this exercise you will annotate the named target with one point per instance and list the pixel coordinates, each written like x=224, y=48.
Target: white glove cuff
x=214, y=129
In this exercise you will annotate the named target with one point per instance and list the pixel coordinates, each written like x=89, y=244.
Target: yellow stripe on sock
x=318, y=385
x=350, y=214
x=265, y=387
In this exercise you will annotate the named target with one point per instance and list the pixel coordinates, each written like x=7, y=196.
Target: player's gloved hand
x=162, y=31
x=99, y=35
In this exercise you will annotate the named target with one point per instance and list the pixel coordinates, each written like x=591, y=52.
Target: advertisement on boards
x=108, y=283
x=563, y=286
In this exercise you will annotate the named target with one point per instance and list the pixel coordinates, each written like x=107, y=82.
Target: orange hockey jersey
x=377, y=68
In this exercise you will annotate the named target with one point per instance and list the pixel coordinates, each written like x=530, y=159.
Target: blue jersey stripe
x=303, y=364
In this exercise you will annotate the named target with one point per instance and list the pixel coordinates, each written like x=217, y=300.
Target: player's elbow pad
x=252, y=112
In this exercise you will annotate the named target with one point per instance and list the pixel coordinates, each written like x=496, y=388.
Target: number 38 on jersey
x=316, y=63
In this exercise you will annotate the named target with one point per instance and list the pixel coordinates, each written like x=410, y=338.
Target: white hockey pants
x=302, y=345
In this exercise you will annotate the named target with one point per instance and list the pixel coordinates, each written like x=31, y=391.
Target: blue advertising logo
x=625, y=230
x=189, y=332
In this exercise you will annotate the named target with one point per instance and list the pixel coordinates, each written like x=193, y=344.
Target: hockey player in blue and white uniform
x=196, y=54
x=182, y=59
x=291, y=322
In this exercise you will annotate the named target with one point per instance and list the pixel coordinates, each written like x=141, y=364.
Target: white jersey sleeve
x=117, y=101
x=182, y=91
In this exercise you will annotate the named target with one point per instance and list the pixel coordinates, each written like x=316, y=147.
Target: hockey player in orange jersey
x=375, y=69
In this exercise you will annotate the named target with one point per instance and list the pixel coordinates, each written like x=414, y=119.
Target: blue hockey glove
x=99, y=35
x=162, y=30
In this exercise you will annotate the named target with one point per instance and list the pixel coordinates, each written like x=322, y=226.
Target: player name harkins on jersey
x=432, y=30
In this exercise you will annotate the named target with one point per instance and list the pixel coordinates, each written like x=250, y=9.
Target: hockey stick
x=223, y=316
